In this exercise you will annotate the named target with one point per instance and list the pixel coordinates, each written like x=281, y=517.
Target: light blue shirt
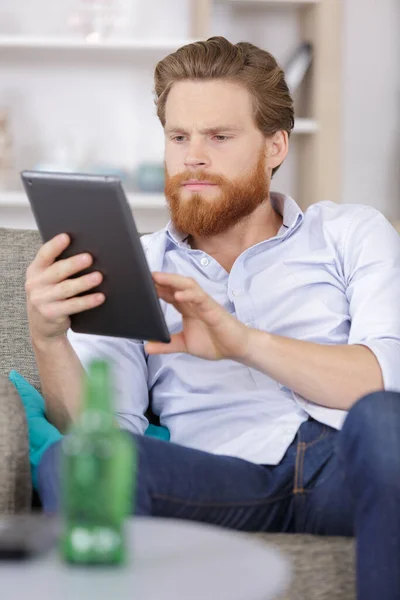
x=330, y=276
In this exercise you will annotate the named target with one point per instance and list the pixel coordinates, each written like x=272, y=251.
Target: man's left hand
x=208, y=330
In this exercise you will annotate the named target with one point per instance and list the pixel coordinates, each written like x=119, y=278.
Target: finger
x=179, y=282
x=177, y=344
x=184, y=307
x=190, y=296
x=195, y=302
x=73, y=306
x=48, y=253
x=166, y=293
x=198, y=300
x=171, y=295
x=191, y=302
x=72, y=287
x=63, y=269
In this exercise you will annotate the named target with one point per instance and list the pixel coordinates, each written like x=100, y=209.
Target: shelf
x=17, y=199
x=11, y=199
x=67, y=44
x=303, y=126
x=147, y=200
x=297, y=3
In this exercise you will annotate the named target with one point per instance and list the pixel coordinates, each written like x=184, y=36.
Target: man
x=285, y=327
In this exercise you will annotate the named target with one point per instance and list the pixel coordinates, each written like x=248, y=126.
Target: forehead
x=209, y=102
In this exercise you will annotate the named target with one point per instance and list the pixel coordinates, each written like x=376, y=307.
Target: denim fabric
x=329, y=482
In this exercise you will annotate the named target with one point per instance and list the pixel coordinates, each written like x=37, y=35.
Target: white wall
x=371, y=88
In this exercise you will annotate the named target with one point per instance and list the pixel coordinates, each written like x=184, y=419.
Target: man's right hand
x=51, y=294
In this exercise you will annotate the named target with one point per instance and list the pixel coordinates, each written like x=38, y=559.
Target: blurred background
x=76, y=81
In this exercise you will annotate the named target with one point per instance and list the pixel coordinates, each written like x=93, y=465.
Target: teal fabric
x=41, y=432
x=157, y=431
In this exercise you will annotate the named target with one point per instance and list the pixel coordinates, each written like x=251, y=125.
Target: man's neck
x=263, y=224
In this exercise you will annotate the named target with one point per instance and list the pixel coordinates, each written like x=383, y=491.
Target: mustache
x=182, y=178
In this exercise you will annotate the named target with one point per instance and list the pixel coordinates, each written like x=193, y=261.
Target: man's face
x=215, y=157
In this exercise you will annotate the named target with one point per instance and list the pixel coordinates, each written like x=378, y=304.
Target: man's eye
x=221, y=138
x=178, y=138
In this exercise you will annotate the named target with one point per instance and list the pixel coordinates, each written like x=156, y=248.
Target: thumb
x=177, y=344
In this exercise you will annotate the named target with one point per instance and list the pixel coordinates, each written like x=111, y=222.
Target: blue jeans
x=329, y=482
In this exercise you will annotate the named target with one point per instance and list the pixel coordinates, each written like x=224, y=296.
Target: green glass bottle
x=98, y=477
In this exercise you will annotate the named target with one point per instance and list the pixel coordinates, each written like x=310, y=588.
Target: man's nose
x=196, y=156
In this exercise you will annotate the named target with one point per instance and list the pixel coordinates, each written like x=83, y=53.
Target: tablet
x=95, y=213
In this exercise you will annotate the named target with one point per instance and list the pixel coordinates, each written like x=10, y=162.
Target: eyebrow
x=207, y=130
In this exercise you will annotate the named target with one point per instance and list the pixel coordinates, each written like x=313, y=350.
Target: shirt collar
x=176, y=236
x=283, y=204
x=288, y=208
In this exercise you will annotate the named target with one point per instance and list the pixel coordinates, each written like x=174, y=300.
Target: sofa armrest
x=15, y=474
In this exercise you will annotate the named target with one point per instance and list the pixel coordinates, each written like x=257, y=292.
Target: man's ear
x=277, y=149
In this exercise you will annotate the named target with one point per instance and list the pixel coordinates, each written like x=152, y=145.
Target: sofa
x=323, y=567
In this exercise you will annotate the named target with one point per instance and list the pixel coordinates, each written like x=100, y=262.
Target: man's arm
x=53, y=295
x=333, y=376
x=61, y=375
x=61, y=364
x=129, y=374
x=337, y=376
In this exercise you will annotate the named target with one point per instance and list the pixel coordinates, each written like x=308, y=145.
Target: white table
x=170, y=560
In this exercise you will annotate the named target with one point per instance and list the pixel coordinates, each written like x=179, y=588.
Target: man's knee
x=376, y=412
x=371, y=437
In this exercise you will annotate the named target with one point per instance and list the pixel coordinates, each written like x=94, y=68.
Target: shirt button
x=237, y=292
x=204, y=261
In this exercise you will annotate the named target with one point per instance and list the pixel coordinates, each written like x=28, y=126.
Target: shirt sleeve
x=372, y=271
x=129, y=370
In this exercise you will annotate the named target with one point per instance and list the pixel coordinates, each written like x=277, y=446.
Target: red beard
x=200, y=217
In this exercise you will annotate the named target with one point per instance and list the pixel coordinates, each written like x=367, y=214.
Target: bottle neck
x=98, y=388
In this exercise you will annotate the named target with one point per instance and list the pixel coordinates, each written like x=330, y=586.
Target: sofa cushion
x=15, y=480
x=17, y=250
x=41, y=433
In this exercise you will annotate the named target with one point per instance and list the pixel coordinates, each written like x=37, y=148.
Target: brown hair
x=217, y=58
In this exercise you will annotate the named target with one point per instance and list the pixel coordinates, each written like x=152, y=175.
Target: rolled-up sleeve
x=372, y=270
x=129, y=372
